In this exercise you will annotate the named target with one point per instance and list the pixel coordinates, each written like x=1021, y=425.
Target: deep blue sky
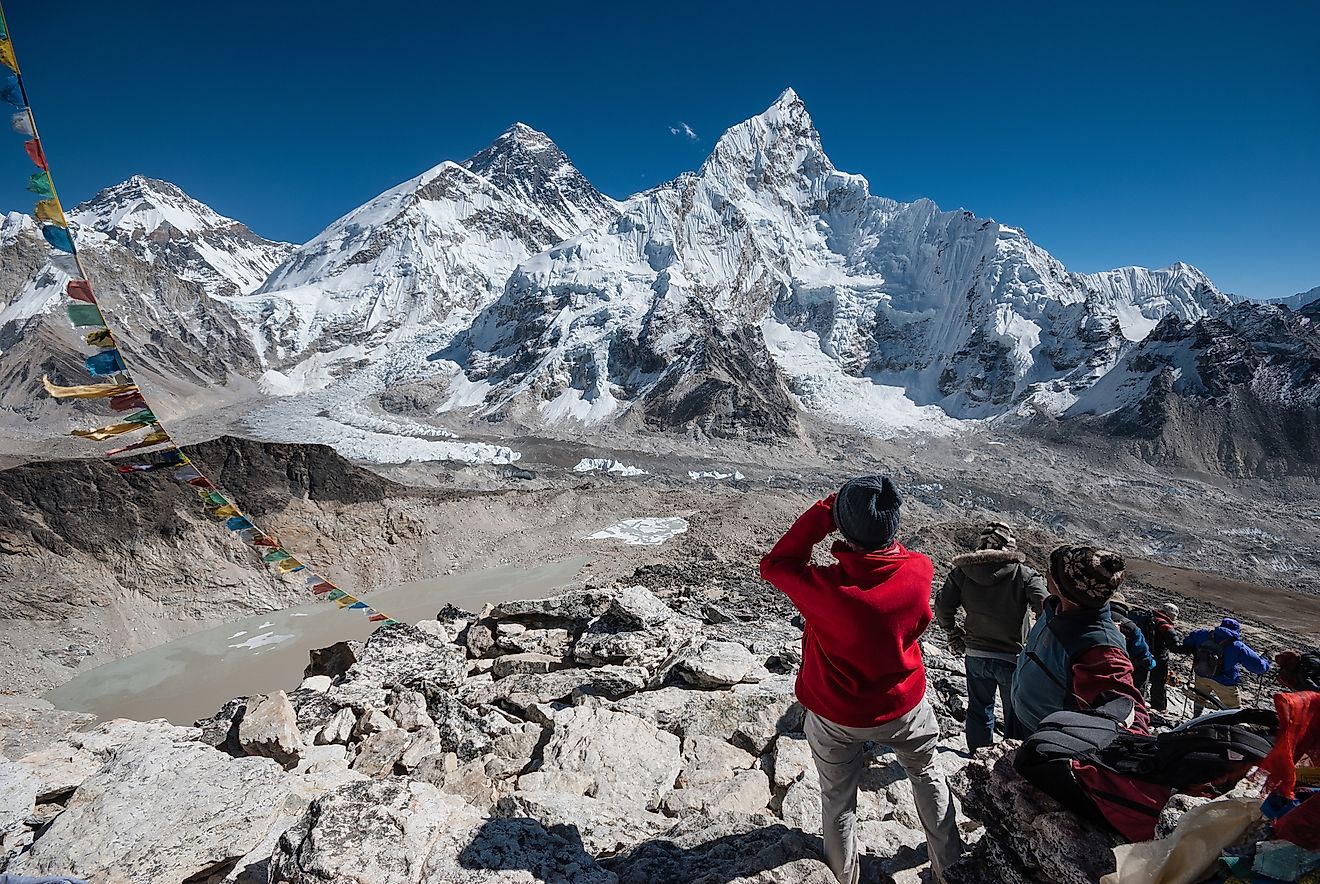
x=1115, y=133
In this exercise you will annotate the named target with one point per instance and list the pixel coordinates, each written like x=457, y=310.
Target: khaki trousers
x=840, y=758
x=1226, y=694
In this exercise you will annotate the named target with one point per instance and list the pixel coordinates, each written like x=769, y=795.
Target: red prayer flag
x=81, y=290
x=376, y=618
x=127, y=401
x=201, y=482
x=35, y=153
x=322, y=587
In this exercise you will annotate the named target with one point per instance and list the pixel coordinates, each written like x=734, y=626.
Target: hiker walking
x=1218, y=658
x=1298, y=670
x=1138, y=651
x=1159, y=625
x=999, y=593
x=862, y=678
x=1075, y=657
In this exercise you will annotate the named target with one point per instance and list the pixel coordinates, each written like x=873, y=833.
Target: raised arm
x=788, y=565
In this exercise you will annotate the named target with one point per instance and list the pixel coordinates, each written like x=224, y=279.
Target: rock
x=791, y=760
x=748, y=715
x=513, y=664
x=620, y=758
x=317, y=759
x=408, y=709
x=706, y=758
x=64, y=765
x=604, y=828
x=1028, y=836
x=636, y=607
x=746, y=791
x=479, y=641
x=19, y=788
x=377, y=754
x=339, y=729
x=221, y=729
x=373, y=721
x=611, y=683
x=716, y=664
x=161, y=812
x=424, y=743
x=553, y=642
x=270, y=730
x=29, y=723
x=461, y=730
x=469, y=781
x=703, y=849
x=317, y=683
x=333, y=661
x=314, y=709
x=574, y=608
x=407, y=657
x=522, y=692
x=637, y=629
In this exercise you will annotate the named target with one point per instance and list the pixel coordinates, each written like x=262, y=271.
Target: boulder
x=377, y=754
x=405, y=656
x=270, y=730
x=409, y=710
x=62, y=766
x=339, y=729
x=574, y=608
x=514, y=664
x=479, y=640
x=461, y=729
x=717, y=664
x=30, y=723
x=333, y=661
x=604, y=827
x=423, y=743
x=1029, y=837
x=161, y=812
x=791, y=760
x=706, y=758
x=745, y=791
x=553, y=642
x=747, y=715
x=221, y=729
x=19, y=787
x=608, y=755
x=318, y=683
x=372, y=721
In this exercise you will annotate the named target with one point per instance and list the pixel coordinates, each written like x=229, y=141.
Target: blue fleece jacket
x=1237, y=656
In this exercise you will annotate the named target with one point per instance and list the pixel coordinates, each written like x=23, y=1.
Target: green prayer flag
x=41, y=186
x=215, y=498
x=145, y=416
x=335, y=595
x=85, y=315
x=276, y=555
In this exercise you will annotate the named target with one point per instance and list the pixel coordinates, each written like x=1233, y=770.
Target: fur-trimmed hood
x=989, y=557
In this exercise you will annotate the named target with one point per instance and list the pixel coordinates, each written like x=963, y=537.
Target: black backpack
x=1308, y=672
x=1208, y=660
x=1120, y=780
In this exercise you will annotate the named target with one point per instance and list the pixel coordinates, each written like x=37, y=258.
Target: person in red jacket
x=862, y=678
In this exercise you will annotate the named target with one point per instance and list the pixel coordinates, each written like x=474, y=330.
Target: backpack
x=1208, y=660
x=1122, y=781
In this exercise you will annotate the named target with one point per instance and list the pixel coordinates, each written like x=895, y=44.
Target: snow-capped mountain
x=769, y=272
x=1299, y=300
x=1238, y=392
x=161, y=264
x=432, y=250
x=156, y=221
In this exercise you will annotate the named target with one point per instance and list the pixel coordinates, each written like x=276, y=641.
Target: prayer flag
x=391, y=622
x=201, y=482
x=215, y=498
x=224, y=512
x=335, y=594
x=127, y=401
x=80, y=289
x=100, y=338
x=345, y=601
x=40, y=183
x=50, y=210
x=173, y=458
x=7, y=55
x=100, y=434
x=238, y=523
x=187, y=474
x=36, y=154
x=3, y=33
x=275, y=556
x=322, y=587
x=104, y=363
x=136, y=468
x=356, y=605
x=22, y=123
x=88, y=391
x=144, y=417
x=66, y=264
x=84, y=315
x=266, y=541
x=156, y=437
x=10, y=92
x=289, y=565
x=376, y=618
x=58, y=237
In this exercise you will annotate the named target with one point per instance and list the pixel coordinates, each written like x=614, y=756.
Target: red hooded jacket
x=861, y=657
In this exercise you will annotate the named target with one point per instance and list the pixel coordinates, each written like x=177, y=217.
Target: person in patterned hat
x=1075, y=656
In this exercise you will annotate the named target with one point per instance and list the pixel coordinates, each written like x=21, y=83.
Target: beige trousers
x=1226, y=694
x=840, y=758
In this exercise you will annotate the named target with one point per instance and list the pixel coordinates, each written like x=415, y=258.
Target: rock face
x=270, y=729
x=608, y=755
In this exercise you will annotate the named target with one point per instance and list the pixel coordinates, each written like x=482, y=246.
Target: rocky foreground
x=602, y=735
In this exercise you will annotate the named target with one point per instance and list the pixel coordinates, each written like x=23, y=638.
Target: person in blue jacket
x=1218, y=657
x=1143, y=661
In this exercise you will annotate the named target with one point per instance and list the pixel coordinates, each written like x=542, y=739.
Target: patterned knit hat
x=1085, y=575
x=997, y=535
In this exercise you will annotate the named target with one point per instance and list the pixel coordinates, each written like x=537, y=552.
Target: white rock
x=718, y=664
x=408, y=710
x=747, y=791
x=622, y=758
x=377, y=754
x=513, y=664
x=270, y=729
x=318, y=683
x=339, y=729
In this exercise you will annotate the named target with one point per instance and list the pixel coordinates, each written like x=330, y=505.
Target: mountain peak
x=778, y=145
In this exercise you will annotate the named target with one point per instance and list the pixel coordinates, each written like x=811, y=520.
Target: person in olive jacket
x=998, y=592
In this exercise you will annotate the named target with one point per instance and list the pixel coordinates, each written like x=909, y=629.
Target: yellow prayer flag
x=224, y=512
x=100, y=434
x=286, y=565
x=346, y=601
x=7, y=55
x=87, y=391
x=50, y=210
x=100, y=338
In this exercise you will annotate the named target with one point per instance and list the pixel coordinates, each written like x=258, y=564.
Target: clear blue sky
x=1115, y=133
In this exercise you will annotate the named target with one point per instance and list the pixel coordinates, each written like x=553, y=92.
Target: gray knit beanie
x=866, y=511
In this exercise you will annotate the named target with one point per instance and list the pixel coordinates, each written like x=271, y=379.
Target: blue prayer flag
x=58, y=237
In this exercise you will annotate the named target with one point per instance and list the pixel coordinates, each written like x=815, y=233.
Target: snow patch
x=602, y=465
x=261, y=641
x=642, y=532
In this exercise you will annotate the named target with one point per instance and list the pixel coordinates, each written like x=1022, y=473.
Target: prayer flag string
x=116, y=384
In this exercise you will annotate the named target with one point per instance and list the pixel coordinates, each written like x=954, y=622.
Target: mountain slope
x=859, y=308
x=1238, y=393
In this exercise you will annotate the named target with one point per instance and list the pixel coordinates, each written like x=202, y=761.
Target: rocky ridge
x=601, y=735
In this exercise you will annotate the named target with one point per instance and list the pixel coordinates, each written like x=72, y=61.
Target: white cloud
x=685, y=131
